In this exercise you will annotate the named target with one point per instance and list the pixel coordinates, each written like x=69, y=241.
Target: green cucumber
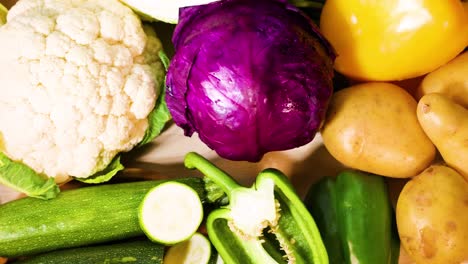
x=139, y=251
x=364, y=217
x=170, y=213
x=79, y=217
x=354, y=216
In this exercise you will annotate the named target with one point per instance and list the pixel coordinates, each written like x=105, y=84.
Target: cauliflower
x=79, y=79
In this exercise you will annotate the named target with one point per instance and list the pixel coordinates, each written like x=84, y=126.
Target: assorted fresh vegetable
x=84, y=81
x=355, y=218
x=249, y=77
x=267, y=223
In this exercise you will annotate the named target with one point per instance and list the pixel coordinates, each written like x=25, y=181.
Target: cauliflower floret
x=79, y=78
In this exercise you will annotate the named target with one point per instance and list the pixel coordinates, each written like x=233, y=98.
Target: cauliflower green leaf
x=22, y=178
x=157, y=120
x=106, y=174
x=160, y=115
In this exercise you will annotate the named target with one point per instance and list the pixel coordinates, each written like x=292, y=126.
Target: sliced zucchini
x=196, y=250
x=170, y=213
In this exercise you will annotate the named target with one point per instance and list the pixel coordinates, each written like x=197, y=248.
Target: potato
x=432, y=217
x=446, y=124
x=373, y=127
x=450, y=80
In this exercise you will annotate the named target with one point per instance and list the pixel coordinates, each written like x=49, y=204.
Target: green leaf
x=160, y=115
x=106, y=174
x=22, y=178
x=164, y=59
x=157, y=120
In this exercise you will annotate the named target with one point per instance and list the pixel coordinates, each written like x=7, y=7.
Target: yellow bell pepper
x=388, y=40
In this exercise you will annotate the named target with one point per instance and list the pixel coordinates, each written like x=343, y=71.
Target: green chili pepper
x=355, y=218
x=267, y=223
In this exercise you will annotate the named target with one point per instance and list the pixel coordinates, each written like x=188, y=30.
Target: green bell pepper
x=355, y=218
x=267, y=223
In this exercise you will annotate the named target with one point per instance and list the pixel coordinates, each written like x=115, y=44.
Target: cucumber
x=79, y=217
x=170, y=213
x=139, y=251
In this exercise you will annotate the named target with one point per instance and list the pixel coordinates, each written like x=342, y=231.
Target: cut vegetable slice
x=196, y=250
x=170, y=213
x=162, y=10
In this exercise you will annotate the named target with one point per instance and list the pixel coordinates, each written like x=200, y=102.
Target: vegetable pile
x=86, y=82
x=266, y=223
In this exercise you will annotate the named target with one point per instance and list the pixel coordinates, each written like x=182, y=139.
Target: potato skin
x=446, y=124
x=432, y=217
x=373, y=127
x=450, y=80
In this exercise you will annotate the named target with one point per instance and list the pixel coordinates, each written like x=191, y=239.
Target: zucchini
x=167, y=220
x=79, y=217
x=197, y=249
x=139, y=251
x=354, y=216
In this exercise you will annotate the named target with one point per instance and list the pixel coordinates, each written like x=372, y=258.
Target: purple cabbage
x=249, y=76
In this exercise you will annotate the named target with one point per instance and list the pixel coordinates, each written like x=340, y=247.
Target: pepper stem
x=227, y=183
